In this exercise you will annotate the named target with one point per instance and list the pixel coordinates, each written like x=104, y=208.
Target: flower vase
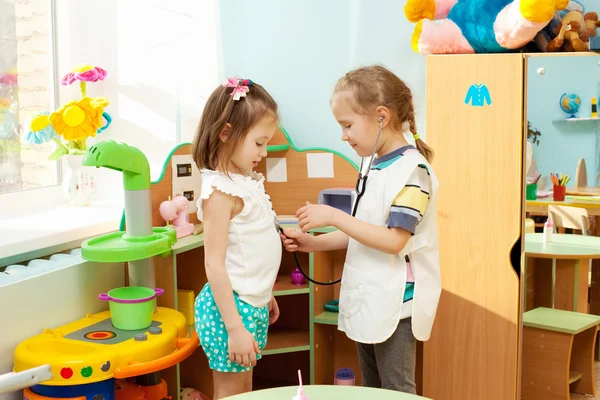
x=78, y=184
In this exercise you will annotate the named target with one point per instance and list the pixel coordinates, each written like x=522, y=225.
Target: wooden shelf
x=285, y=287
x=574, y=376
x=188, y=243
x=576, y=119
x=327, y=318
x=286, y=341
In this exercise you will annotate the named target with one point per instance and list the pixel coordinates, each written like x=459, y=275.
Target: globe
x=570, y=103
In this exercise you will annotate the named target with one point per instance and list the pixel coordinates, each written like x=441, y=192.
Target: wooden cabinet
x=473, y=352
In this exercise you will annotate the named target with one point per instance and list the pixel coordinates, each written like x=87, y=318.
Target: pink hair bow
x=240, y=87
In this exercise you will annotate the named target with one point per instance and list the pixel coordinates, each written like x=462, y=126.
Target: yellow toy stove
x=92, y=350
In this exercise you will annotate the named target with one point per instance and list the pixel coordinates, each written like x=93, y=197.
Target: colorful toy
x=74, y=121
x=340, y=198
x=131, y=307
x=185, y=304
x=477, y=26
x=570, y=104
x=176, y=212
x=192, y=394
x=344, y=377
x=297, y=277
x=574, y=31
x=86, y=356
x=300, y=395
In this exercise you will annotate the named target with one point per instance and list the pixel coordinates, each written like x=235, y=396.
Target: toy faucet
x=300, y=395
x=176, y=211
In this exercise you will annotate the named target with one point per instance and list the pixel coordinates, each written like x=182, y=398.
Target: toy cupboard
x=476, y=120
x=473, y=352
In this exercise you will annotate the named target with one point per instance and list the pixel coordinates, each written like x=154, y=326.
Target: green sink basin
x=118, y=247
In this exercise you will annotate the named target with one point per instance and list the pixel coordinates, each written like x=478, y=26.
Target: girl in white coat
x=391, y=280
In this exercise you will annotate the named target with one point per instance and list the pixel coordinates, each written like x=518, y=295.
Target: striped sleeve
x=410, y=203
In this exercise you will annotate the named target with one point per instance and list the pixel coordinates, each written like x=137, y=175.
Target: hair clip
x=240, y=87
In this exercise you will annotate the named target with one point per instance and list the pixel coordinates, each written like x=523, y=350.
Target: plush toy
x=550, y=31
x=574, y=32
x=477, y=26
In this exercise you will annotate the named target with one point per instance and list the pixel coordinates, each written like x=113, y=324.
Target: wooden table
x=540, y=206
x=324, y=392
x=556, y=273
x=584, y=191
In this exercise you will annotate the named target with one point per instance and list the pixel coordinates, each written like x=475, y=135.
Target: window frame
x=22, y=195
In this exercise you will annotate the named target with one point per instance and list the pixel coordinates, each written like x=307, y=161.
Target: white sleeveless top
x=254, y=249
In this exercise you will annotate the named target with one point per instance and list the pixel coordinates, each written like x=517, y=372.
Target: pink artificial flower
x=84, y=73
x=8, y=79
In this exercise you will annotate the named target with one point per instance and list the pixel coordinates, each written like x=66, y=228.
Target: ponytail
x=423, y=148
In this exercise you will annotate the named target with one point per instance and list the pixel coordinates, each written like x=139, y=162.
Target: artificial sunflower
x=79, y=119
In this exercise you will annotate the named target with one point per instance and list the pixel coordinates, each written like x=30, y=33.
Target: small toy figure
x=176, y=212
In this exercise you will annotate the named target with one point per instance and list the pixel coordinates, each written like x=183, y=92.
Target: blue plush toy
x=477, y=26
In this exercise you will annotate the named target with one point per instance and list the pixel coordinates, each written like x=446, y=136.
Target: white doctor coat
x=373, y=282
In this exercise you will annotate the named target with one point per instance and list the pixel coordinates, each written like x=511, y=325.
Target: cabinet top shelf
x=577, y=119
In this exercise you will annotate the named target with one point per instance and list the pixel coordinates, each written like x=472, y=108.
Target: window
x=27, y=87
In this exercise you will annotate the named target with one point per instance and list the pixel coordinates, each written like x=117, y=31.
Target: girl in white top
x=391, y=279
x=241, y=244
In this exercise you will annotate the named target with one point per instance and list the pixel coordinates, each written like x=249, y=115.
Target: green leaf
x=76, y=152
x=58, y=153
x=60, y=144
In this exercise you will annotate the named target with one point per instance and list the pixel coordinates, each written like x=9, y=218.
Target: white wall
x=162, y=60
x=298, y=50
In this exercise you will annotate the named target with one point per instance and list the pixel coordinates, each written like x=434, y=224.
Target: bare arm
x=296, y=240
x=337, y=240
x=388, y=240
x=217, y=211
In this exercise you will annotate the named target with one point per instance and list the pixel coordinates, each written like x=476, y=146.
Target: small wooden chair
x=529, y=225
x=558, y=354
x=564, y=217
x=581, y=174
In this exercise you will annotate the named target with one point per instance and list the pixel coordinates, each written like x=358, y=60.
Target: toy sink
x=120, y=247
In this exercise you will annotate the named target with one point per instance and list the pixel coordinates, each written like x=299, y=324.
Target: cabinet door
x=474, y=124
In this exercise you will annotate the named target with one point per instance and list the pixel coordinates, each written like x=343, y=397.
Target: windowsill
x=37, y=235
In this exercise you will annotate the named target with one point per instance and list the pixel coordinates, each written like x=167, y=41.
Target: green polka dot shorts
x=213, y=334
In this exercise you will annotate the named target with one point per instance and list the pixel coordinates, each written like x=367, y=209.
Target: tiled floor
x=575, y=396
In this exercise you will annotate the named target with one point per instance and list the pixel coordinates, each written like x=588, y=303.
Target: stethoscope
x=361, y=187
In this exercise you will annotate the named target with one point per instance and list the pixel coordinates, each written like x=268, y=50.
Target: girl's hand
x=313, y=216
x=273, y=311
x=296, y=240
x=242, y=346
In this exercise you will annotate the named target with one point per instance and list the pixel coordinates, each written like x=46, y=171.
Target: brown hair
x=209, y=150
x=376, y=86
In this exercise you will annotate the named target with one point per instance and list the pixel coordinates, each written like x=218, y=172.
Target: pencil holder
x=531, y=193
x=559, y=193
